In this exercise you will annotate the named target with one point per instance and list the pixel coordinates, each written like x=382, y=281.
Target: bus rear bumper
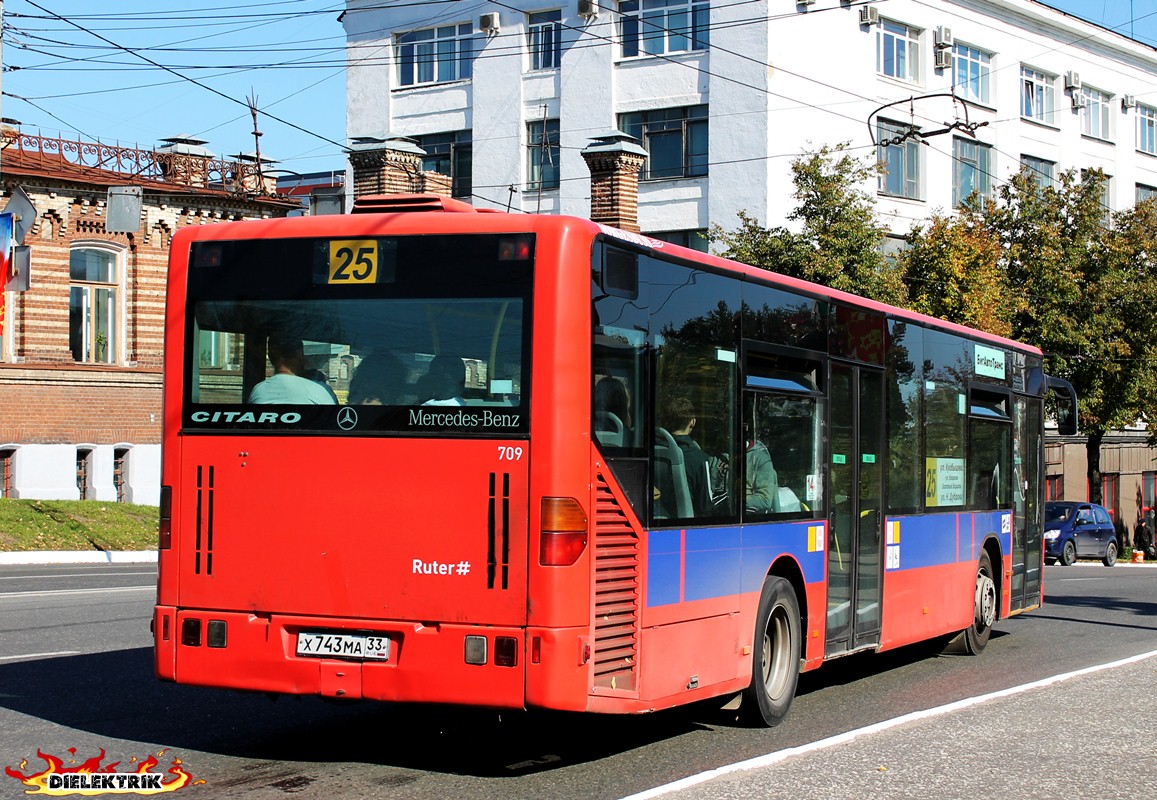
x=259, y=652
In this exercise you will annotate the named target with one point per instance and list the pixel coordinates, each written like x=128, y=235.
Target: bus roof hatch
x=395, y=203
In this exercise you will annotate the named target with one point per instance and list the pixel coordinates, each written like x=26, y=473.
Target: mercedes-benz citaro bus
x=422, y=453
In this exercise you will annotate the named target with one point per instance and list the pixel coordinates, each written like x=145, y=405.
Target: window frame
x=1146, y=129
x=1096, y=110
x=412, y=64
x=637, y=16
x=543, y=136
x=457, y=149
x=113, y=300
x=1036, y=167
x=1040, y=88
x=647, y=126
x=544, y=40
x=980, y=161
x=910, y=160
x=1143, y=192
x=967, y=56
x=899, y=45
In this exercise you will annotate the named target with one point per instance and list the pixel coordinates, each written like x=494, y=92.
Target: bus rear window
x=403, y=335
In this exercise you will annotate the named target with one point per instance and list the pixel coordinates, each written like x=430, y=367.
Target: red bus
x=420, y=453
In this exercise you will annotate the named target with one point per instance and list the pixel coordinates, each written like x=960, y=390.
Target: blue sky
x=74, y=77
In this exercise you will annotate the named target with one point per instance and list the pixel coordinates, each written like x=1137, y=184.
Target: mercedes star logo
x=347, y=419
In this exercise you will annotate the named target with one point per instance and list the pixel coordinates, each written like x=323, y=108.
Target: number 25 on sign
x=353, y=261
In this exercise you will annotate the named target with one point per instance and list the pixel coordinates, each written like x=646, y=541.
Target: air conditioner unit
x=944, y=38
x=805, y=2
x=1072, y=80
x=869, y=15
x=588, y=8
x=488, y=23
x=942, y=59
x=1128, y=101
x=1079, y=101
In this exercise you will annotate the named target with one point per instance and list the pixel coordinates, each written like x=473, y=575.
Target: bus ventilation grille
x=394, y=203
x=616, y=594
x=205, y=489
x=498, y=532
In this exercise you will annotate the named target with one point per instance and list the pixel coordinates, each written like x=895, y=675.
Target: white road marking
x=41, y=655
x=71, y=575
x=843, y=738
x=61, y=592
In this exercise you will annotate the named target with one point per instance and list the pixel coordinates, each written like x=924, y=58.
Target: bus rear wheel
x=776, y=659
x=984, y=607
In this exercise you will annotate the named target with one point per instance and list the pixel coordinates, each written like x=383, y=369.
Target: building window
x=542, y=154
x=1054, y=487
x=7, y=478
x=656, y=27
x=83, y=462
x=543, y=39
x=1147, y=130
x=675, y=140
x=93, y=304
x=450, y=154
x=695, y=238
x=1111, y=495
x=1095, y=113
x=1037, y=98
x=971, y=68
x=900, y=156
x=898, y=51
x=120, y=471
x=971, y=172
x=436, y=55
x=1145, y=192
x=1040, y=170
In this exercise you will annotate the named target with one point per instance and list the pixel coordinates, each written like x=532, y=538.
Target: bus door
x=855, y=566
x=1026, y=517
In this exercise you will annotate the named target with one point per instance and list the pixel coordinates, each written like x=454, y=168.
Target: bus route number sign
x=353, y=261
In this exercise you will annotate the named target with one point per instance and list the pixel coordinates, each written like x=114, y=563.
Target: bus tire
x=984, y=607
x=775, y=661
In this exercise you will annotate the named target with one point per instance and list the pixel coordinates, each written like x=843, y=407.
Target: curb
x=79, y=557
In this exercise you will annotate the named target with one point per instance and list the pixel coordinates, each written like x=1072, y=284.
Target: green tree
x=1086, y=294
x=953, y=270
x=840, y=238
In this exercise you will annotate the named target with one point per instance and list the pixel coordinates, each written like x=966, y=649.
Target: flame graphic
x=39, y=782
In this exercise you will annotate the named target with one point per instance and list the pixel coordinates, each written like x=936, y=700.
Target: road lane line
x=842, y=738
x=73, y=575
x=41, y=655
x=59, y=592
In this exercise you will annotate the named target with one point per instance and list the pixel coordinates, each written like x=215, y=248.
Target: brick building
x=81, y=348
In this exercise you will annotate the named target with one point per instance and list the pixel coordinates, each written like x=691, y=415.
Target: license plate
x=366, y=646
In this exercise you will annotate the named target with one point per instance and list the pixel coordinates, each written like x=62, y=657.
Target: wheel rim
x=776, y=646
x=1070, y=552
x=985, y=600
x=1111, y=553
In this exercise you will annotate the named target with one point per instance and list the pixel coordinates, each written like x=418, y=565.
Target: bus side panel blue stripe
x=720, y=562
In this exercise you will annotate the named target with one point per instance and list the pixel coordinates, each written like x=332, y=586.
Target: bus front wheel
x=776, y=657
x=984, y=607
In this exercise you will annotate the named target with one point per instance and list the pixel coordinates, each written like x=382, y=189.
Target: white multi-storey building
x=723, y=93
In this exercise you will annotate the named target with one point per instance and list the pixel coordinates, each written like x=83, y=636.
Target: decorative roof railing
x=160, y=165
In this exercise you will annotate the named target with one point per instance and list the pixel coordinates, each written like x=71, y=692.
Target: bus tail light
x=165, y=528
x=564, y=532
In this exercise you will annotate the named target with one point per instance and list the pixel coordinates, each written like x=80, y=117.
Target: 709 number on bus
x=508, y=453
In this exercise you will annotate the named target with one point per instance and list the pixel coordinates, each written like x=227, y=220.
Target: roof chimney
x=614, y=160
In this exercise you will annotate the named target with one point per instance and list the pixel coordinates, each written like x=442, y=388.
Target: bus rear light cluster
x=218, y=632
x=505, y=651
x=564, y=532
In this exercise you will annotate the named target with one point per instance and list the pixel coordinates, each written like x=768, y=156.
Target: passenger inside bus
x=444, y=383
x=612, y=412
x=679, y=418
x=286, y=384
x=376, y=380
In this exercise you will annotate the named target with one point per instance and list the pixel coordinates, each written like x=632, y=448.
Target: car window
x=1055, y=512
x=1085, y=515
x=1102, y=516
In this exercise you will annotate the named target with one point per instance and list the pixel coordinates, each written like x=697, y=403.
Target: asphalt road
x=75, y=672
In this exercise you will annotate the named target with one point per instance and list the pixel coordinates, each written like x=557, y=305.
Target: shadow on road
x=114, y=694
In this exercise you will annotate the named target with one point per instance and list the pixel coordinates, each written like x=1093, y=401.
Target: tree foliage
x=839, y=239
